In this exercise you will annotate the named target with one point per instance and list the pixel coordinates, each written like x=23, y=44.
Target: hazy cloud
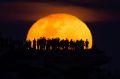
x=32, y=11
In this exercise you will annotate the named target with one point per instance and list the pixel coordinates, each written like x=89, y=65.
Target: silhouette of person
x=42, y=43
x=62, y=44
x=86, y=43
x=28, y=44
x=55, y=43
x=77, y=44
x=34, y=44
x=71, y=44
x=80, y=44
x=48, y=44
x=38, y=44
x=66, y=43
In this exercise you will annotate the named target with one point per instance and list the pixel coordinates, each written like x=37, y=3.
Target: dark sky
x=102, y=17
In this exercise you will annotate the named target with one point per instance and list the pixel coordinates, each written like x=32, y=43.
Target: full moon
x=62, y=26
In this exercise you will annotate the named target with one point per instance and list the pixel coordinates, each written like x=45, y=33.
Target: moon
x=60, y=25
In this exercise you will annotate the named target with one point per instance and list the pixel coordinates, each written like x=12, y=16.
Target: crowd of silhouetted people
x=67, y=64
x=56, y=44
x=44, y=44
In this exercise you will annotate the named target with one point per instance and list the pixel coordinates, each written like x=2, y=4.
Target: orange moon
x=62, y=26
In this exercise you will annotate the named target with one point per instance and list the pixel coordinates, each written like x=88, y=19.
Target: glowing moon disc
x=62, y=26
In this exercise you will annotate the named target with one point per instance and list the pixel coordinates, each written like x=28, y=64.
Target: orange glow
x=62, y=26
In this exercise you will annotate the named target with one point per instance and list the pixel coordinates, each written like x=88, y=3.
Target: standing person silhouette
x=34, y=44
x=81, y=44
x=86, y=43
x=28, y=44
x=38, y=44
x=42, y=42
x=48, y=44
x=66, y=44
x=72, y=44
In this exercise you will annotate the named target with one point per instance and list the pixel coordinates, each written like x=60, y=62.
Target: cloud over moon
x=32, y=11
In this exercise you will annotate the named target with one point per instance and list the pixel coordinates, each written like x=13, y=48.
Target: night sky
x=102, y=17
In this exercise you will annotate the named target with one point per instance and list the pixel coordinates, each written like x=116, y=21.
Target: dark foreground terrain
x=34, y=64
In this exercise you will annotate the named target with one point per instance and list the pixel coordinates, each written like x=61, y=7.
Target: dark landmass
x=17, y=62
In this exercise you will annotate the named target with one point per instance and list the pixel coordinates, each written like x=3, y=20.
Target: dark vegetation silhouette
x=51, y=59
